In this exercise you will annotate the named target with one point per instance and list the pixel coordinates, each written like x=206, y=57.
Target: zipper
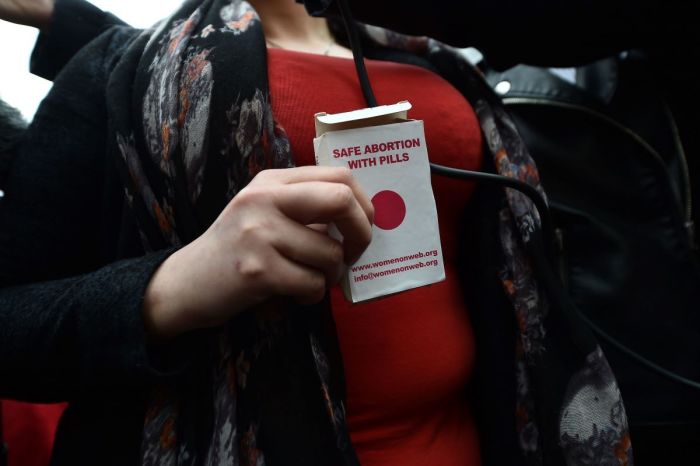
x=686, y=210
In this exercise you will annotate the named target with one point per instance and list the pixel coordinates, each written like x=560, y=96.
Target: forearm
x=35, y=13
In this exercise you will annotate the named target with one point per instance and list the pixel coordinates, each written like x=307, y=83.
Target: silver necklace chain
x=326, y=52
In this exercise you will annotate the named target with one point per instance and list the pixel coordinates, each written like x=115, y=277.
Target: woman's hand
x=262, y=245
x=35, y=13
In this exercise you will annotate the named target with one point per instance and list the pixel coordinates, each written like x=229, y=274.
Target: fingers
x=311, y=248
x=313, y=173
x=325, y=202
x=306, y=284
x=320, y=227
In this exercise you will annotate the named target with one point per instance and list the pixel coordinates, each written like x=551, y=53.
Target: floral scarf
x=191, y=124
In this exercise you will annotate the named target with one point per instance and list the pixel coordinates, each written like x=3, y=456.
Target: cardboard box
x=388, y=156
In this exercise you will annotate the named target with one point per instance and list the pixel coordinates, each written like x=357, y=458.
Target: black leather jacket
x=617, y=174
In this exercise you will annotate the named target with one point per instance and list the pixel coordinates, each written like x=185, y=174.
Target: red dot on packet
x=389, y=210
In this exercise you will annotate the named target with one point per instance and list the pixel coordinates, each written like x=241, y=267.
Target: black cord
x=553, y=284
x=555, y=291
x=652, y=366
x=528, y=190
x=354, y=39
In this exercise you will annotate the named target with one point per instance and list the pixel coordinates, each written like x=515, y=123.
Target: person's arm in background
x=35, y=13
x=65, y=27
x=73, y=24
x=541, y=32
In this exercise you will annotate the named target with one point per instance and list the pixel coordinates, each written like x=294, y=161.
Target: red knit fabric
x=29, y=431
x=408, y=357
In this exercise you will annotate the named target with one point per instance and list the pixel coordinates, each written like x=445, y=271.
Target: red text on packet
x=392, y=146
x=346, y=152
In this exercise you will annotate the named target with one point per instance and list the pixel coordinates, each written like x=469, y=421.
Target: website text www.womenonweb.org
x=367, y=272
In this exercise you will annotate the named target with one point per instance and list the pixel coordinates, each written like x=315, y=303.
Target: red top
x=408, y=357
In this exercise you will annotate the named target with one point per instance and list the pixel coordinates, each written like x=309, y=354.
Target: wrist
x=165, y=310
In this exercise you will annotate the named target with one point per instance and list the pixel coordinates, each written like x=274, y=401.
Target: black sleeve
x=541, y=32
x=74, y=24
x=70, y=318
x=66, y=338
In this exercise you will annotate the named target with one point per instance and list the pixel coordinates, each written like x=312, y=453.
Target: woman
x=192, y=130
